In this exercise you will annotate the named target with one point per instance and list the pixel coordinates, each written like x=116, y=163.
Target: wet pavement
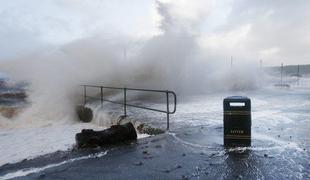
x=194, y=147
x=189, y=154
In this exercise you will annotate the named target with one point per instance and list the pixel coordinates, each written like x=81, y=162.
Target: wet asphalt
x=280, y=149
x=185, y=155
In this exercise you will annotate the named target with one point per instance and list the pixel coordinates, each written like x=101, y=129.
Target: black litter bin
x=237, y=121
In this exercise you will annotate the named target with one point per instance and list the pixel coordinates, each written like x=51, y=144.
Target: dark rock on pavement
x=138, y=163
x=89, y=138
x=85, y=114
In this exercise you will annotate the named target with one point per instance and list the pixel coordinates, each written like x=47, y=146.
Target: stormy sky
x=275, y=31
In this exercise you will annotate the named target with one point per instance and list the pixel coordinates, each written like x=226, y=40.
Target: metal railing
x=125, y=104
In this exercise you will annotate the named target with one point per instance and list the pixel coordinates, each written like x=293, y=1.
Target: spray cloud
x=172, y=59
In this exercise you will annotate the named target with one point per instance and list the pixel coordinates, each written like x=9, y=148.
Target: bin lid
x=237, y=98
x=241, y=103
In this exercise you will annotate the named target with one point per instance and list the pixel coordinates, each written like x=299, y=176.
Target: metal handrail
x=125, y=104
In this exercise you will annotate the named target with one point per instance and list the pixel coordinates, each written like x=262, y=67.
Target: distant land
x=290, y=69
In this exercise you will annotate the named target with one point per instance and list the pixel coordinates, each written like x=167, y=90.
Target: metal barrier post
x=84, y=95
x=125, y=102
x=101, y=96
x=167, y=96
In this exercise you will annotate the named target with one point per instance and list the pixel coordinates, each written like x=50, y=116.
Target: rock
x=148, y=156
x=89, y=138
x=42, y=176
x=85, y=114
x=184, y=177
x=265, y=155
x=146, y=129
x=166, y=171
x=213, y=154
x=138, y=163
x=158, y=146
x=144, y=147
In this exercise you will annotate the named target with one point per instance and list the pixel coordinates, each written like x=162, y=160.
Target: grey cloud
x=281, y=24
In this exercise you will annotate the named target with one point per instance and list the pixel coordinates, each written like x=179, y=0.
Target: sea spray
x=171, y=60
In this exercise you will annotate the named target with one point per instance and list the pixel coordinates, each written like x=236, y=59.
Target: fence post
x=167, y=96
x=84, y=95
x=125, y=101
x=101, y=96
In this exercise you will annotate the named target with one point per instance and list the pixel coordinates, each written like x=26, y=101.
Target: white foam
x=279, y=144
x=188, y=143
x=28, y=143
x=27, y=171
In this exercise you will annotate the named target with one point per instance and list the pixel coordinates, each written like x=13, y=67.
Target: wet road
x=168, y=156
x=194, y=147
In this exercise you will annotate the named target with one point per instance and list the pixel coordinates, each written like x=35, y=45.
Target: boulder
x=116, y=134
x=85, y=114
x=146, y=129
